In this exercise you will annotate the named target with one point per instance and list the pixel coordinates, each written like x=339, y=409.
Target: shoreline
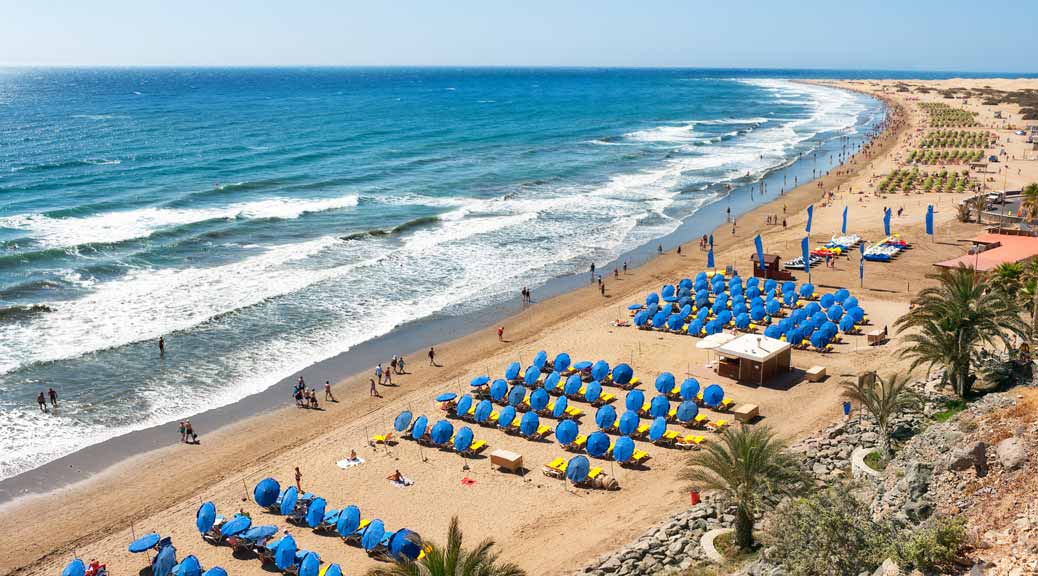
x=415, y=336
x=250, y=436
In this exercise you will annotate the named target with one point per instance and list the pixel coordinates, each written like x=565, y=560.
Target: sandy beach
x=530, y=514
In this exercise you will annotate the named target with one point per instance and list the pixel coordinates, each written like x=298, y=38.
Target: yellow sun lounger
x=593, y=473
x=477, y=447
x=579, y=442
x=382, y=438
x=642, y=430
x=718, y=425
x=639, y=456
x=690, y=441
x=556, y=468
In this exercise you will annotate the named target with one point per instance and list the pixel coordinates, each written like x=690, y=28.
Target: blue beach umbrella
x=288, y=500
x=266, y=492
x=687, y=411
x=886, y=222
x=463, y=439
x=605, y=417
x=629, y=422
x=773, y=331
x=660, y=406
x=850, y=302
x=695, y=327
x=843, y=226
x=315, y=512
x=667, y=292
x=188, y=567
x=742, y=321
x=539, y=399
x=164, y=561
x=582, y=365
x=650, y=311
x=597, y=443
x=713, y=395
x=285, y=553
x=836, y=312
x=235, y=526
x=373, y=535
x=498, y=389
x=634, y=400
x=333, y=570
x=593, y=391
x=532, y=375
x=827, y=300
x=529, y=424
x=506, y=417
x=552, y=381
x=349, y=521
x=561, y=362
x=512, y=372
x=847, y=323
x=566, y=432
x=806, y=290
x=812, y=308
x=402, y=421
x=789, y=298
x=404, y=546
x=685, y=284
x=658, y=428
x=665, y=383
x=464, y=404
x=652, y=298
x=757, y=314
x=572, y=385
x=929, y=219
x=421, y=423
x=635, y=306
x=659, y=319
x=516, y=395
x=788, y=286
x=310, y=565
x=74, y=568
x=559, y=410
x=752, y=292
x=674, y=322
x=475, y=383
x=215, y=571
x=817, y=339
x=441, y=432
x=600, y=370
x=446, y=397
x=622, y=374
x=260, y=532
x=842, y=295
x=148, y=541
x=772, y=307
x=623, y=449
x=577, y=469
x=540, y=359
x=689, y=389
x=641, y=318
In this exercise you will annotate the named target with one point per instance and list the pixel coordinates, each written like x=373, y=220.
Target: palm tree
x=749, y=465
x=1008, y=276
x=1029, y=201
x=953, y=319
x=452, y=560
x=883, y=399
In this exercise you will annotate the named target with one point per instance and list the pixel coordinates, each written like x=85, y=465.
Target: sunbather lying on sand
x=399, y=479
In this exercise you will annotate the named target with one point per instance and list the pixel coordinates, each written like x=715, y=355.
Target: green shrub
x=932, y=548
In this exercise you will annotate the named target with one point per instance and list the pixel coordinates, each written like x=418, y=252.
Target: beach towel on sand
x=402, y=483
x=347, y=463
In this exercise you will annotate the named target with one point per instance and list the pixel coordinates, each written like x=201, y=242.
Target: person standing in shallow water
x=42, y=402
x=53, y=397
x=162, y=346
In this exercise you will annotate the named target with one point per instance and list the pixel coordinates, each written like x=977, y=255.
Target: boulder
x=887, y=568
x=1012, y=453
x=966, y=457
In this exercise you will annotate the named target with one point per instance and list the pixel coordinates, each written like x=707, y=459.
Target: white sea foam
x=141, y=223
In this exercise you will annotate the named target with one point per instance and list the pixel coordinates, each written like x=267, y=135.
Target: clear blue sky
x=991, y=35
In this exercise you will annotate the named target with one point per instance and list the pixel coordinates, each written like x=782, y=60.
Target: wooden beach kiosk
x=753, y=358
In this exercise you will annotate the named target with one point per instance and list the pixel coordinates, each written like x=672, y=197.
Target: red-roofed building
x=991, y=249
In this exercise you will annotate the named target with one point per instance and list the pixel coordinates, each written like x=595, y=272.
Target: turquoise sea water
x=263, y=220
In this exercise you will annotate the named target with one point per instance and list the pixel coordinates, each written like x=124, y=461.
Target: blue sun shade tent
x=464, y=404
x=235, y=526
x=188, y=567
x=578, y=468
x=446, y=397
x=74, y=568
x=635, y=306
x=628, y=422
x=807, y=290
x=561, y=362
x=622, y=374
x=835, y=312
x=850, y=302
x=827, y=300
x=148, y=541
x=665, y=383
x=463, y=439
x=605, y=417
x=757, y=314
x=266, y=492
x=641, y=318
x=566, y=432
x=164, y=561
x=259, y=532
x=597, y=443
x=847, y=323
x=402, y=421
x=773, y=331
x=658, y=428
x=498, y=390
x=475, y=383
x=540, y=359
x=572, y=385
x=288, y=500
x=532, y=375
x=634, y=400
x=600, y=370
x=529, y=423
x=483, y=411
x=539, y=399
x=559, y=410
x=713, y=395
x=593, y=391
x=652, y=298
x=333, y=570
x=660, y=406
x=421, y=423
x=659, y=319
x=441, y=432
x=349, y=521
x=404, y=546
x=667, y=293
x=652, y=310
x=552, y=381
x=512, y=372
x=623, y=449
x=841, y=295
x=817, y=340
x=506, y=417
x=311, y=565
x=516, y=395
x=674, y=322
x=687, y=411
x=315, y=512
x=215, y=571
x=373, y=535
x=582, y=365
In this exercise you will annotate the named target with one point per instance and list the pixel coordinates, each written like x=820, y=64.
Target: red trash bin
x=694, y=495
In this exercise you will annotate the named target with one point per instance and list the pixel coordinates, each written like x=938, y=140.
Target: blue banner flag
x=805, y=250
x=710, y=258
x=810, y=214
x=886, y=222
x=929, y=219
x=760, y=253
x=711, y=241
x=843, y=229
x=861, y=263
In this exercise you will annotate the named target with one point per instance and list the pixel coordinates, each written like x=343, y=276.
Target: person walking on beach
x=400, y=366
x=162, y=346
x=388, y=375
x=625, y=267
x=432, y=355
x=378, y=372
x=592, y=271
x=189, y=433
x=183, y=432
x=374, y=391
x=53, y=397
x=299, y=479
x=41, y=401
x=500, y=333
x=328, y=391
x=392, y=364
x=601, y=288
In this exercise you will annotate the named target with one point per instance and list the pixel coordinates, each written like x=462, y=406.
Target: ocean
x=262, y=220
